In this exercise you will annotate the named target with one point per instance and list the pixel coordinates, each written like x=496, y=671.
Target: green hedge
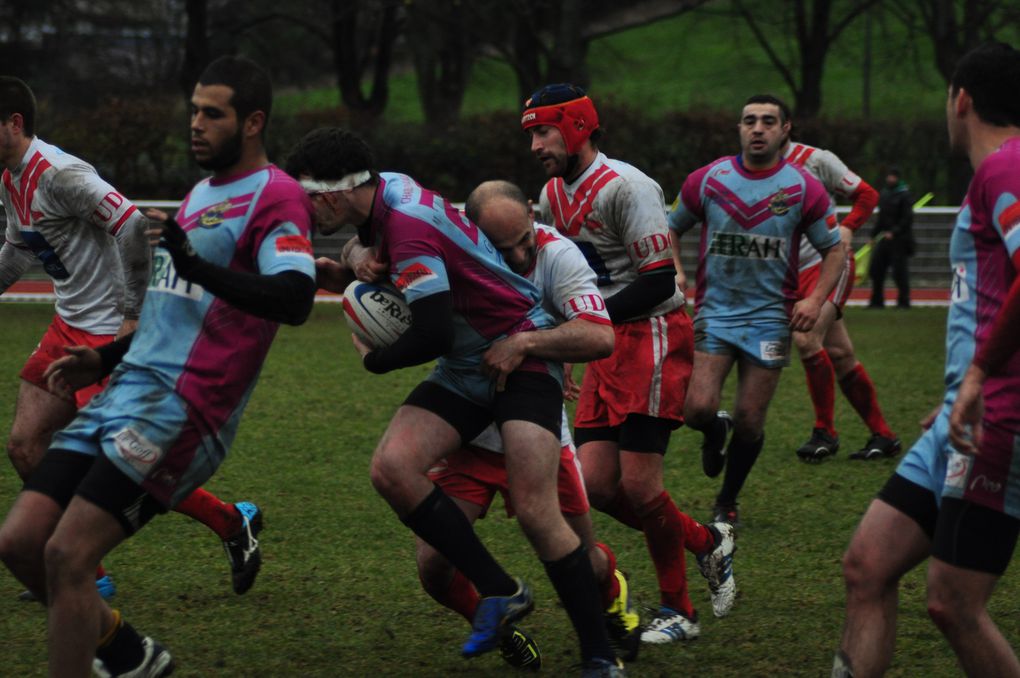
x=140, y=145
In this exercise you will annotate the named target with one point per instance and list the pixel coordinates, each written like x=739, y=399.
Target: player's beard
x=229, y=154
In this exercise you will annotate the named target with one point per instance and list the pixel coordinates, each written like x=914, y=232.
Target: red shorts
x=475, y=475
x=647, y=373
x=808, y=278
x=58, y=335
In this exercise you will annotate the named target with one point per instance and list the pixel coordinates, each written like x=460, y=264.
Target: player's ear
x=254, y=123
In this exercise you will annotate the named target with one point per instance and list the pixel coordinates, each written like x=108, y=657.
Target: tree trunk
x=349, y=55
x=196, y=45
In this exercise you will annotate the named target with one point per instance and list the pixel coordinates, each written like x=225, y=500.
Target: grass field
x=338, y=594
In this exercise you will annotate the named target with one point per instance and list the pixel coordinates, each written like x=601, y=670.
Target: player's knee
x=698, y=413
x=385, y=475
x=640, y=493
x=843, y=359
x=807, y=343
x=18, y=545
x=24, y=454
x=64, y=563
x=862, y=579
x=748, y=424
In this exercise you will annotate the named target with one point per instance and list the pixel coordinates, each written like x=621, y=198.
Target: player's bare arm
x=968, y=409
x=681, y=277
x=576, y=340
x=805, y=312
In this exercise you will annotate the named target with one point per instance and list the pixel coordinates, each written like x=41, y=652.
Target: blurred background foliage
x=436, y=85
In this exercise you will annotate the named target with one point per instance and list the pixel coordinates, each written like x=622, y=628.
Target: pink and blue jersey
x=982, y=251
x=432, y=248
x=753, y=223
x=171, y=410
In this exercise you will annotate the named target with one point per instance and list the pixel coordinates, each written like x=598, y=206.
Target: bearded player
x=632, y=401
x=91, y=242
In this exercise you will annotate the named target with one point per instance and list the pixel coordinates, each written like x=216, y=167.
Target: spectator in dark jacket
x=893, y=240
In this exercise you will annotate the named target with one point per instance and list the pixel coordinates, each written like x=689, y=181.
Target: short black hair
x=492, y=189
x=991, y=75
x=253, y=90
x=784, y=110
x=16, y=97
x=330, y=153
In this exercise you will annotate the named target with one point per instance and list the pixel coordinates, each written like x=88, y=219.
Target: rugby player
x=958, y=506
x=239, y=264
x=755, y=208
x=462, y=297
x=91, y=241
x=826, y=350
x=631, y=401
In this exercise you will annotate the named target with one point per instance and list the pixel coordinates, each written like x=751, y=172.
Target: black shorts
x=62, y=474
x=637, y=433
x=912, y=500
x=974, y=537
x=528, y=396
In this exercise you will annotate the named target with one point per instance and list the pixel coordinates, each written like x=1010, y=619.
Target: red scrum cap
x=565, y=107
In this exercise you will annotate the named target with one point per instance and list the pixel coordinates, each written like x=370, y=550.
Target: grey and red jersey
x=835, y=176
x=616, y=215
x=86, y=234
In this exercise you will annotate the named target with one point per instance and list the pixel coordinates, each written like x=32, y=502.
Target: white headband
x=344, y=184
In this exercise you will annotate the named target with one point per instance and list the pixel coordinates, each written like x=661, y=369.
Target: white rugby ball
x=376, y=313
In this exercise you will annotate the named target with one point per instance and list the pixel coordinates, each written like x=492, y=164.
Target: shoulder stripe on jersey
x=570, y=214
x=22, y=198
x=543, y=238
x=792, y=157
x=802, y=160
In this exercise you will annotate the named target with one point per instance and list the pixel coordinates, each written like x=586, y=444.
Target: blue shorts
x=149, y=433
x=925, y=463
x=765, y=344
x=480, y=389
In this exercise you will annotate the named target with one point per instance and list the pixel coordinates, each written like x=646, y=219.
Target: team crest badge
x=214, y=216
x=779, y=205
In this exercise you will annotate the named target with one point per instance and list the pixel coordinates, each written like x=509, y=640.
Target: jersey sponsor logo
x=137, y=451
x=1010, y=218
x=650, y=244
x=583, y=304
x=957, y=469
x=985, y=485
x=293, y=244
x=747, y=246
x=215, y=215
x=415, y=274
x=164, y=278
x=960, y=290
x=528, y=117
x=772, y=350
x=831, y=221
x=779, y=204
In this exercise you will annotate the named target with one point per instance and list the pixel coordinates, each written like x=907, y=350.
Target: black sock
x=574, y=581
x=740, y=457
x=444, y=526
x=124, y=652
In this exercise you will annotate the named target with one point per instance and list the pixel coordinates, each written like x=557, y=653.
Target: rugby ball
x=376, y=313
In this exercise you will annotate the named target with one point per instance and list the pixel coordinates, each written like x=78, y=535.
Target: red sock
x=664, y=535
x=821, y=384
x=608, y=583
x=222, y=518
x=621, y=509
x=100, y=571
x=698, y=538
x=460, y=596
x=859, y=390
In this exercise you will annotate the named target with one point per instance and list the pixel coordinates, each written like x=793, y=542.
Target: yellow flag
x=862, y=258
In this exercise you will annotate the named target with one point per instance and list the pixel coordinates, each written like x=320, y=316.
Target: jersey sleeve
x=84, y=194
x=818, y=218
x=285, y=225
x=570, y=282
x=1005, y=210
x=836, y=176
x=641, y=216
x=688, y=209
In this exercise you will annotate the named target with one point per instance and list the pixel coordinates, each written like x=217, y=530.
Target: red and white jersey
x=569, y=292
x=59, y=209
x=615, y=214
x=837, y=178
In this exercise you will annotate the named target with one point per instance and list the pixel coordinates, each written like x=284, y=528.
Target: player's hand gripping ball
x=376, y=313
